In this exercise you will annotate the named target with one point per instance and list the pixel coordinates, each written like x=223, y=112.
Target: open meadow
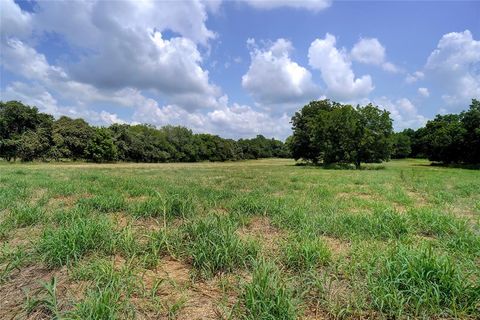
x=262, y=239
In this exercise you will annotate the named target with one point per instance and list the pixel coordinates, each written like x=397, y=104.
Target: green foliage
x=101, y=147
x=29, y=135
x=267, y=296
x=24, y=132
x=71, y=137
x=401, y=145
x=330, y=132
x=454, y=138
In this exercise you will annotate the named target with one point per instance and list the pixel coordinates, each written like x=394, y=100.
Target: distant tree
x=329, y=132
x=445, y=138
x=401, y=145
x=471, y=123
x=24, y=132
x=100, y=146
x=71, y=136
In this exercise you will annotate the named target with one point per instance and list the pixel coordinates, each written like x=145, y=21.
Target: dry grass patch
x=337, y=246
x=261, y=229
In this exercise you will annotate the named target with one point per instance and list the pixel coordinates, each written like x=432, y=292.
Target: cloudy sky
x=238, y=68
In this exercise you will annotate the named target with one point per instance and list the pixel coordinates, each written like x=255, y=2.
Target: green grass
x=213, y=246
x=70, y=242
x=421, y=282
x=267, y=295
x=263, y=239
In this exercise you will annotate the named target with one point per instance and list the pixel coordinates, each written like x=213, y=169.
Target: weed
x=305, y=251
x=70, y=242
x=421, y=282
x=48, y=303
x=268, y=296
x=214, y=246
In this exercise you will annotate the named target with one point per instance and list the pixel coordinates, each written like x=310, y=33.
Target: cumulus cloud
x=121, y=46
x=171, y=67
x=403, y=112
x=336, y=70
x=274, y=78
x=455, y=67
x=371, y=51
x=14, y=21
x=228, y=120
x=414, y=77
x=313, y=5
x=424, y=92
x=39, y=96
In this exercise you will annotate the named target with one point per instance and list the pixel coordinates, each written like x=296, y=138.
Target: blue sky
x=238, y=68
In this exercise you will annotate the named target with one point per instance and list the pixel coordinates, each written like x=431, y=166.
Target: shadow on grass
x=338, y=166
x=451, y=165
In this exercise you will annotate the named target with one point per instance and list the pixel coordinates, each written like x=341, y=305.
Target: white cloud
x=13, y=21
x=110, y=118
x=424, y=92
x=371, y=51
x=336, y=70
x=313, y=5
x=228, y=121
x=455, y=67
x=403, y=112
x=39, y=96
x=414, y=77
x=21, y=59
x=274, y=78
x=91, y=23
x=122, y=47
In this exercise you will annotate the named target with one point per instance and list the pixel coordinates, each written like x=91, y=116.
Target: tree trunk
x=357, y=165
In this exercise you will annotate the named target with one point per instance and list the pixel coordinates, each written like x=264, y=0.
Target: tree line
x=324, y=132
x=448, y=138
x=328, y=132
x=27, y=134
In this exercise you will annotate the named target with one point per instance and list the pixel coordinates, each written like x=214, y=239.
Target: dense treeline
x=27, y=134
x=329, y=132
x=449, y=138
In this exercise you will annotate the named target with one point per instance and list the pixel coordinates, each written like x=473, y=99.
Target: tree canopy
x=330, y=132
x=27, y=134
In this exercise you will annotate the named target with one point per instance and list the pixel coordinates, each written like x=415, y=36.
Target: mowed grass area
x=258, y=239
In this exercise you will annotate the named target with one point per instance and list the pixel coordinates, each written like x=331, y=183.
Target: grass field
x=259, y=239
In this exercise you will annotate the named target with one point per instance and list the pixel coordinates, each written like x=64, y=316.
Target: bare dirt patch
x=37, y=195
x=418, y=199
x=260, y=228
x=337, y=246
x=137, y=199
x=172, y=284
x=355, y=195
x=24, y=236
x=29, y=279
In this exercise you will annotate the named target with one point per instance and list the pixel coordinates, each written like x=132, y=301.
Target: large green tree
x=329, y=132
